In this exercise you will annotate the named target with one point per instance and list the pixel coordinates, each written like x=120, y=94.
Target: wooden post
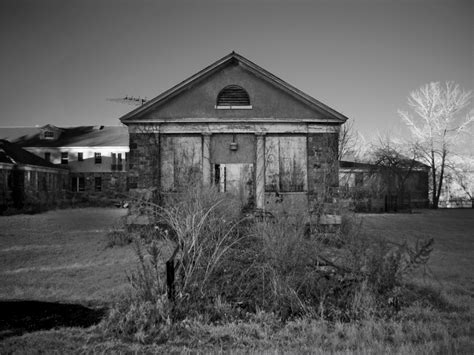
x=170, y=278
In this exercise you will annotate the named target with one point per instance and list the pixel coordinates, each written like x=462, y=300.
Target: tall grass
x=228, y=267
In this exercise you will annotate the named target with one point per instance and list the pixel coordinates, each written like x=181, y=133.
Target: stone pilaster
x=260, y=171
x=323, y=166
x=206, y=159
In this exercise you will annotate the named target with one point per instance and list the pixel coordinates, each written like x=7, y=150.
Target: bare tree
x=351, y=142
x=396, y=164
x=436, y=125
x=462, y=173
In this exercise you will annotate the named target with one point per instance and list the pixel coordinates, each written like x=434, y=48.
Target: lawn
x=62, y=256
x=452, y=262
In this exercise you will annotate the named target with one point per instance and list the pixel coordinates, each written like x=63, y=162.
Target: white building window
x=64, y=157
x=48, y=135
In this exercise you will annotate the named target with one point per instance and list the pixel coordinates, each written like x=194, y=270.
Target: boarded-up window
x=285, y=164
x=181, y=162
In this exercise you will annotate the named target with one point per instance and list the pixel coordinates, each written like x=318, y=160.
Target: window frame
x=97, y=158
x=48, y=135
x=64, y=158
x=78, y=184
x=98, y=184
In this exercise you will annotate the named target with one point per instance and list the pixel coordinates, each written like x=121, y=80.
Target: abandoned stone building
x=94, y=156
x=26, y=179
x=235, y=125
x=371, y=188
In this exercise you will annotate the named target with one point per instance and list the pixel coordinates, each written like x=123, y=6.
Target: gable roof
x=81, y=136
x=13, y=154
x=233, y=58
x=50, y=127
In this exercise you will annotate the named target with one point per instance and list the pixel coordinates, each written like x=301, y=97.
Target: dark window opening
x=78, y=184
x=98, y=183
x=80, y=156
x=64, y=157
x=217, y=176
x=47, y=156
x=233, y=95
x=132, y=182
x=225, y=179
x=119, y=161
x=48, y=134
x=98, y=158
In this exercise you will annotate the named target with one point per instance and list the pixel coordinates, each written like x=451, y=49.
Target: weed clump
x=206, y=261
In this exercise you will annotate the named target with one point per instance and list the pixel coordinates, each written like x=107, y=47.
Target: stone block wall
x=323, y=167
x=29, y=186
x=113, y=184
x=144, y=160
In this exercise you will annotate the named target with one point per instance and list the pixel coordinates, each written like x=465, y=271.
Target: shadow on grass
x=18, y=317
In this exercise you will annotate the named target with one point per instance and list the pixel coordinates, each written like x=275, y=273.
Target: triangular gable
x=50, y=127
x=298, y=96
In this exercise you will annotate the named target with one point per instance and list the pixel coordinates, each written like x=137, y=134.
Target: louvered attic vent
x=233, y=97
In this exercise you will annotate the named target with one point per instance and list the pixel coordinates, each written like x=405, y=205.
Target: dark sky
x=61, y=60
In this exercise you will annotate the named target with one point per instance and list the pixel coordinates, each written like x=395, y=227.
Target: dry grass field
x=62, y=256
x=452, y=261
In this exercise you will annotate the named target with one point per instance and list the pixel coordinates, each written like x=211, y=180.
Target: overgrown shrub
x=117, y=237
x=120, y=235
x=203, y=260
x=193, y=232
x=278, y=268
x=144, y=314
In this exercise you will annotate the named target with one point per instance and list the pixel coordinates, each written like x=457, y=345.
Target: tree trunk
x=433, y=175
x=441, y=176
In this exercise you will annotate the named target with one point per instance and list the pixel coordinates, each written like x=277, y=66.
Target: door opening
x=236, y=179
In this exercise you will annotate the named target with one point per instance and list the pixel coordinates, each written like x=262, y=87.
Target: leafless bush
x=225, y=266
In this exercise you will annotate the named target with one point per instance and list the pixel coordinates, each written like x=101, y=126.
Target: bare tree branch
x=436, y=125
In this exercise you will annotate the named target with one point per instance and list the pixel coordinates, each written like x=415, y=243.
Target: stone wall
x=144, y=160
x=32, y=187
x=323, y=167
x=113, y=185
